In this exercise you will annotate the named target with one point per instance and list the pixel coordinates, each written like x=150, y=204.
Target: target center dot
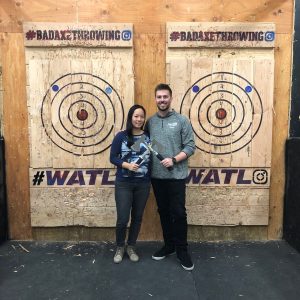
x=221, y=113
x=82, y=114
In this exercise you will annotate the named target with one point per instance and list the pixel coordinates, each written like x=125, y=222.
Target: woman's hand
x=130, y=166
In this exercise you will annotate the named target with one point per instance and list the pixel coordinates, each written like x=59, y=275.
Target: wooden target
x=89, y=110
x=222, y=78
x=217, y=113
x=80, y=85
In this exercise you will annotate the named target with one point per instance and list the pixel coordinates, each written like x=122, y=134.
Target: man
x=174, y=132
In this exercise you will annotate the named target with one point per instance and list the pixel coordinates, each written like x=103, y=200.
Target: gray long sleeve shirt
x=174, y=132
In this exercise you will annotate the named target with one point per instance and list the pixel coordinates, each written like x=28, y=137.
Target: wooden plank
x=16, y=137
x=227, y=206
x=149, y=69
x=220, y=101
x=228, y=176
x=187, y=101
x=220, y=35
x=100, y=82
x=231, y=81
x=73, y=233
x=225, y=233
x=14, y=13
x=280, y=133
x=147, y=17
x=73, y=206
x=40, y=145
x=117, y=70
x=243, y=124
x=200, y=69
x=263, y=80
x=62, y=178
x=195, y=233
x=110, y=67
x=61, y=139
x=7, y=17
x=82, y=100
x=82, y=35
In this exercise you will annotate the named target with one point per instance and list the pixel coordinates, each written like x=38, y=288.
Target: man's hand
x=167, y=162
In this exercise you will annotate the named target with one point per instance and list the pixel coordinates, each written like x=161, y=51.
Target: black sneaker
x=163, y=252
x=185, y=260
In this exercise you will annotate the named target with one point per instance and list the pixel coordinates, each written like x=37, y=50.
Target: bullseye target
x=225, y=110
x=80, y=113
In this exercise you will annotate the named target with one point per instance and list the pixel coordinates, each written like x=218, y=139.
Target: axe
x=137, y=145
x=141, y=157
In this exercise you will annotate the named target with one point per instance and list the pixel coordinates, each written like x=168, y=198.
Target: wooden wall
x=149, y=19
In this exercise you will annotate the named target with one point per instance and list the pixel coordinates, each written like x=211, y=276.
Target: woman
x=132, y=184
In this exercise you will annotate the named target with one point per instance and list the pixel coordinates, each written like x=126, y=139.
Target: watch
x=174, y=160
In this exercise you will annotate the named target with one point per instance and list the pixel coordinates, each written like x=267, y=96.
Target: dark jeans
x=132, y=197
x=170, y=198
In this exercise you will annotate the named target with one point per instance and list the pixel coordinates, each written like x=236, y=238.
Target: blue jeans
x=170, y=199
x=130, y=197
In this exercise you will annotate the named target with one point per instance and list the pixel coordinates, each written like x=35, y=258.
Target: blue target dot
x=248, y=89
x=55, y=88
x=108, y=90
x=196, y=89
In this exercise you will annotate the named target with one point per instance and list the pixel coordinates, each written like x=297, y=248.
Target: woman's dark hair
x=129, y=126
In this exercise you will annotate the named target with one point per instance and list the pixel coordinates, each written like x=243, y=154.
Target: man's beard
x=163, y=109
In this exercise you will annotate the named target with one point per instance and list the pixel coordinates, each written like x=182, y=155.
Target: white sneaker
x=132, y=254
x=119, y=255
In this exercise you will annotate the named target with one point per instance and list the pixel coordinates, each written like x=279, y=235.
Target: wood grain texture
x=16, y=136
x=149, y=20
x=219, y=34
x=280, y=133
x=148, y=17
x=149, y=66
x=50, y=34
x=82, y=75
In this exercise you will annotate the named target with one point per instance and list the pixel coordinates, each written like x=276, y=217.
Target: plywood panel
x=16, y=136
x=243, y=103
x=149, y=69
x=221, y=98
x=280, y=133
x=76, y=107
x=45, y=34
x=148, y=17
x=227, y=206
x=226, y=113
x=73, y=206
x=262, y=73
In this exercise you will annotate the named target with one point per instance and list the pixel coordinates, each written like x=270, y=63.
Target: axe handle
x=160, y=157
x=140, y=159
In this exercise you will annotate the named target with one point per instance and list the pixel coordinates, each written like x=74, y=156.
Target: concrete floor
x=85, y=270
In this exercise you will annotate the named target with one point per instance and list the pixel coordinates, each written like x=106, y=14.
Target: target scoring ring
x=222, y=110
x=80, y=112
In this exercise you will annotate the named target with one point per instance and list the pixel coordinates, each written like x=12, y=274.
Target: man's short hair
x=163, y=86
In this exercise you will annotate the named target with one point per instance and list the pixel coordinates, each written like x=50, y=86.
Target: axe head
x=137, y=145
x=159, y=147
